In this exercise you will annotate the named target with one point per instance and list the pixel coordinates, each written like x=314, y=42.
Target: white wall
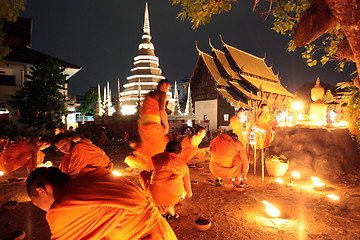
x=208, y=108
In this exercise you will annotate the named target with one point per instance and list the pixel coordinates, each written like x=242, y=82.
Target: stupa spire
x=189, y=110
x=176, y=106
x=146, y=20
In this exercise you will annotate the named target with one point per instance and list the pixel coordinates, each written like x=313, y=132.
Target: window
x=7, y=80
x=226, y=117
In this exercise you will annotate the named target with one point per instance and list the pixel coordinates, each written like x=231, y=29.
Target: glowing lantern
x=271, y=210
x=116, y=173
x=46, y=164
x=295, y=174
x=279, y=180
x=297, y=106
x=333, y=197
x=317, y=182
x=1, y=173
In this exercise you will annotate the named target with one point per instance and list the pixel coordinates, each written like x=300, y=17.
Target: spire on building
x=146, y=72
x=176, y=107
x=118, y=104
x=189, y=110
x=99, y=111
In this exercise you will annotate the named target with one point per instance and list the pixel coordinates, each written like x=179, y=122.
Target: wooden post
x=262, y=165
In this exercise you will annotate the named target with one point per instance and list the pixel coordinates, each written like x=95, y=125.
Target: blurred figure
x=95, y=205
x=266, y=122
x=190, y=146
x=138, y=161
x=153, y=124
x=170, y=180
x=228, y=160
x=4, y=142
x=23, y=153
x=237, y=124
x=80, y=155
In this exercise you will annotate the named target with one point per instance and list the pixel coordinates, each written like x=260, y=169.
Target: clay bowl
x=194, y=182
x=199, y=167
x=10, y=205
x=202, y=224
x=207, y=173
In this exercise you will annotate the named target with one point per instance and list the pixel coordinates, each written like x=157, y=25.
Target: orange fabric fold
x=18, y=155
x=190, y=148
x=166, y=183
x=139, y=160
x=84, y=155
x=112, y=208
x=225, y=161
x=237, y=128
x=265, y=122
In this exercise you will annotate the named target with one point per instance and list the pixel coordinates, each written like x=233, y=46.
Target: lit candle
x=279, y=180
x=116, y=173
x=1, y=173
x=295, y=174
x=317, y=182
x=333, y=196
x=271, y=210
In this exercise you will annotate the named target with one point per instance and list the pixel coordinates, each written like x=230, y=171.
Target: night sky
x=103, y=36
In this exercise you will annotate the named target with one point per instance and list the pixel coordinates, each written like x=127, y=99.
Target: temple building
x=229, y=79
x=145, y=75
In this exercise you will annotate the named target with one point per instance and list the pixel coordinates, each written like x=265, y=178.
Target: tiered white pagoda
x=145, y=75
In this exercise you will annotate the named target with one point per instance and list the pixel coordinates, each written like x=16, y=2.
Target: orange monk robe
x=190, y=148
x=265, y=121
x=152, y=136
x=138, y=160
x=97, y=205
x=166, y=183
x=237, y=127
x=18, y=155
x=82, y=155
x=225, y=161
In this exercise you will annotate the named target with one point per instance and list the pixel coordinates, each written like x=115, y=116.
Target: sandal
x=218, y=183
x=244, y=185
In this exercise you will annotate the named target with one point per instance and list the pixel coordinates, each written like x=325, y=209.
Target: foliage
x=41, y=102
x=285, y=13
x=277, y=158
x=351, y=97
x=88, y=106
x=9, y=11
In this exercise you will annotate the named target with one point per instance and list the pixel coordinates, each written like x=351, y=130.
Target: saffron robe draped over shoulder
x=84, y=154
x=18, y=155
x=225, y=161
x=152, y=137
x=190, y=148
x=97, y=206
x=237, y=128
x=265, y=121
x=166, y=183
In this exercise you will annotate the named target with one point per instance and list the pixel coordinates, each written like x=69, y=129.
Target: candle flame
x=116, y=173
x=46, y=164
x=317, y=182
x=295, y=174
x=279, y=180
x=333, y=196
x=1, y=173
x=271, y=210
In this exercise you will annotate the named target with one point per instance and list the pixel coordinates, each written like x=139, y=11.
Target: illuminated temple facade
x=145, y=75
x=229, y=79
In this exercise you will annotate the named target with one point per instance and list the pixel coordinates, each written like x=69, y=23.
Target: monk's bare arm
x=187, y=184
x=245, y=162
x=163, y=115
x=35, y=153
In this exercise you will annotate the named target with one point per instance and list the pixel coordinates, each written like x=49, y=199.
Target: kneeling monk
x=80, y=155
x=228, y=159
x=190, y=146
x=170, y=180
x=137, y=160
x=23, y=153
x=95, y=205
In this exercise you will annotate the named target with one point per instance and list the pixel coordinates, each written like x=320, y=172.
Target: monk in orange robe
x=95, y=205
x=237, y=125
x=170, y=180
x=266, y=122
x=138, y=160
x=80, y=155
x=190, y=146
x=23, y=153
x=153, y=123
x=228, y=160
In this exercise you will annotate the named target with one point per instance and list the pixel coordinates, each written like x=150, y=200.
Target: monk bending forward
x=170, y=180
x=80, y=155
x=228, y=160
x=190, y=146
x=95, y=205
x=23, y=153
x=153, y=123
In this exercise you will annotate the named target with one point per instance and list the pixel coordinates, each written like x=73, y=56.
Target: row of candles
x=272, y=211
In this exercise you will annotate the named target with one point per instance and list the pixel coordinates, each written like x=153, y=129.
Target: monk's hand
x=166, y=130
x=188, y=195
